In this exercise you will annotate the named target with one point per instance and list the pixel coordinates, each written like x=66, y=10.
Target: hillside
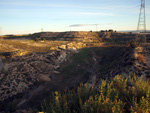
x=33, y=69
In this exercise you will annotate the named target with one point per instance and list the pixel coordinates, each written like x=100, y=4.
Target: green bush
x=116, y=96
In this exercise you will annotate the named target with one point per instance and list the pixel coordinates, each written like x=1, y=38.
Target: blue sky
x=29, y=16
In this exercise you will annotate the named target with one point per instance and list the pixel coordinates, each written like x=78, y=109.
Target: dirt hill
x=35, y=75
x=27, y=79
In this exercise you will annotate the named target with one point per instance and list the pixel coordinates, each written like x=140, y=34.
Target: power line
x=116, y=11
x=108, y=5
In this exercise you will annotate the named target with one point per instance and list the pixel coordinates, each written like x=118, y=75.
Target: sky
x=29, y=16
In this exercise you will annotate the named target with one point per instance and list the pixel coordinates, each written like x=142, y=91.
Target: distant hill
x=133, y=31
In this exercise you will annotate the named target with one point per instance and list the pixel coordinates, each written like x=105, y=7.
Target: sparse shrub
x=36, y=39
x=141, y=58
x=44, y=39
x=119, y=95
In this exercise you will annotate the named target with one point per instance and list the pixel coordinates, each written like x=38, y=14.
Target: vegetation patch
x=78, y=60
x=119, y=95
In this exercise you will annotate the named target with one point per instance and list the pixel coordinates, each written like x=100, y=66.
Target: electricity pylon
x=141, y=28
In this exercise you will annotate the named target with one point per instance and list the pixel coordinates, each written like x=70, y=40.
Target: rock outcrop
x=70, y=46
x=142, y=61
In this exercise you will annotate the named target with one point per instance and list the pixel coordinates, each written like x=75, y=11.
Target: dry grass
x=23, y=47
x=28, y=45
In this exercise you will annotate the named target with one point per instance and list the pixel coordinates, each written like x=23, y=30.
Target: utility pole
x=141, y=28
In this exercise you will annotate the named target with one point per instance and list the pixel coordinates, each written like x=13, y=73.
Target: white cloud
x=80, y=25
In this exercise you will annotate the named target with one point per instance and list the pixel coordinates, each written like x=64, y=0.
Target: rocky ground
x=142, y=65
x=20, y=73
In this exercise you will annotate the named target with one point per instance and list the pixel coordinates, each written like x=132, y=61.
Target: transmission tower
x=141, y=28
